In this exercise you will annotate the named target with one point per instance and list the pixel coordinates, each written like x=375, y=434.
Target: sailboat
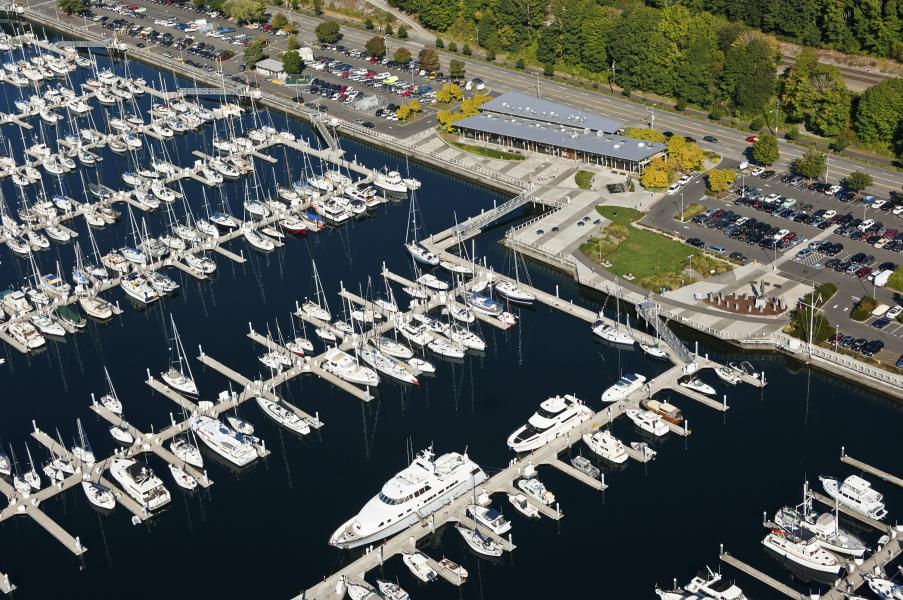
x=82, y=449
x=513, y=290
x=613, y=333
x=418, y=251
x=299, y=344
x=179, y=376
x=31, y=476
x=110, y=400
x=99, y=495
x=320, y=308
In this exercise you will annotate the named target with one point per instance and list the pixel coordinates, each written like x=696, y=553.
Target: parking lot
x=811, y=234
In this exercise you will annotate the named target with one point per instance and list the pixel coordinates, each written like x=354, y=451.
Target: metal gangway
x=649, y=311
x=465, y=228
x=323, y=129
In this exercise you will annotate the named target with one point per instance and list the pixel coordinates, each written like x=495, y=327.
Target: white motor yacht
x=520, y=503
x=535, y=488
x=419, y=566
x=415, y=492
x=391, y=591
x=823, y=526
x=391, y=183
x=555, y=417
x=606, y=445
x=706, y=585
x=139, y=482
x=489, y=518
x=648, y=422
x=623, y=387
x=697, y=385
x=856, y=494
x=885, y=588
x=344, y=366
x=233, y=446
x=808, y=554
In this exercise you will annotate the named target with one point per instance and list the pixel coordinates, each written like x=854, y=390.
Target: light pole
x=682, y=219
x=827, y=165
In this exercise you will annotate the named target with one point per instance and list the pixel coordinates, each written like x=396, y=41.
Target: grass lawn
x=480, y=150
x=584, y=179
x=654, y=260
x=690, y=211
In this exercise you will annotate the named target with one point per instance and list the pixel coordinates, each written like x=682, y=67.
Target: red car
x=863, y=272
x=752, y=139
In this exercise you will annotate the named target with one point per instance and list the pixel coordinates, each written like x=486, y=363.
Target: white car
x=866, y=224
x=894, y=312
x=833, y=190
x=757, y=171
x=674, y=188
x=684, y=180
x=899, y=210
x=830, y=214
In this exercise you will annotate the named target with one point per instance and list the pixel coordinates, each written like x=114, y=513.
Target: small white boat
x=653, y=351
x=808, y=554
x=645, y=450
x=623, y=387
x=240, y=425
x=419, y=566
x=520, y=503
x=187, y=451
x=697, y=385
x=434, y=283
x=535, y=488
x=489, y=518
x=122, y=435
x=728, y=375
x=99, y=495
x=648, y=422
x=391, y=591
x=283, y=416
x=478, y=542
x=183, y=479
x=423, y=366
x=612, y=333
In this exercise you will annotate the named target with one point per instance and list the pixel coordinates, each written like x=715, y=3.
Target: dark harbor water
x=262, y=533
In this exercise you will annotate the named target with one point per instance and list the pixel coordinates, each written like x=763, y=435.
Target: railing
x=651, y=316
x=563, y=260
x=843, y=361
x=323, y=129
x=484, y=218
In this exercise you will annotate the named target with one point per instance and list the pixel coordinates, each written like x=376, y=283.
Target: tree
x=520, y=64
x=244, y=10
x=548, y=69
x=685, y=155
x=816, y=94
x=254, y=53
x=291, y=62
x=456, y=69
x=71, y=6
x=449, y=93
x=368, y=24
x=858, y=181
x=279, y=21
x=402, y=32
x=878, y=113
x=646, y=134
x=388, y=29
x=440, y=43
x=640, y=52
x=656, y=176
x=452, y=46
x=437, y=14
x=466, y=51
x=328, y=32
x=429, y=60
x=490, y=55
x=318, y=7
x=811, y=164
x=547, y=44
x=402, y=55
x=749, y=75
x=408, y=109
x=376, y=46
x=291, y=43
x=720, y=180
x=765, y=150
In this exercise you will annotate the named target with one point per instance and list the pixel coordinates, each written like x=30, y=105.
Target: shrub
x=466, y=51
x=440, y=43
x=452, y=46
x=863, y=309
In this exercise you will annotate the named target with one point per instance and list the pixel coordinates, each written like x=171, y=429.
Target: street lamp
x=682, y=220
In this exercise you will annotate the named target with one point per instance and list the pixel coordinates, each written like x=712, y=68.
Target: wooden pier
x=875, y=472
x=763, y=577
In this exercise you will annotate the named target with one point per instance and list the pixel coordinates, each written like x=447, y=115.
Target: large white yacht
x=235, y=447
x=421, y=488
x=140, y=483
x=808, y=553
x=606, y=445
x=857, y=494
x=707, y=584
x=344, y=366
x=623, y=387
x=555, y=417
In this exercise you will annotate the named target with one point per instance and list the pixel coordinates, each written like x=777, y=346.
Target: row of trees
x=683, y=52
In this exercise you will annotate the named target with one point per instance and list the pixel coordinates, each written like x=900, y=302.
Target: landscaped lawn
x=584, y=179
x=654, y=260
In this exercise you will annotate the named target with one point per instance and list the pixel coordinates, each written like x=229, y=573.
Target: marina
x=289, y=469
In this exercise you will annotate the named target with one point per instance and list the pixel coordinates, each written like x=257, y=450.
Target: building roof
x=270, y=64
x=614, y=146
x=516, y=104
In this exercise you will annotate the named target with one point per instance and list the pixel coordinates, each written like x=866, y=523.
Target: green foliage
x=490, y=55
x=766, y=151
x=279, y=21
x=749, y=75
x=896, y=280
x=878, y=113
x=520, y=64
x=328, y=32
x=254, y=53
x=466, y=51
x=437, y=14
x=863, y=309
x=811, y=164
x=244, y=10
x=456, y=69
x=291, y=62
x=757, y=123
x=452, y=46
x=584, y=179
x=429, y=60
x=291, y=43
x=440, y=43
x=548, y=69
x=376, y=46
x=368, y=24
x=71, y=6
x=402, y=32
x=720, y=180
x=318, y=7
x=644, y=133
x=858, y=181
x=816, y=95
x=388, y=29
x=791, y=132
x=402, y=55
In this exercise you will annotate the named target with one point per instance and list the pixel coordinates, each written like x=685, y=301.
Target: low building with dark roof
x=594, y=146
